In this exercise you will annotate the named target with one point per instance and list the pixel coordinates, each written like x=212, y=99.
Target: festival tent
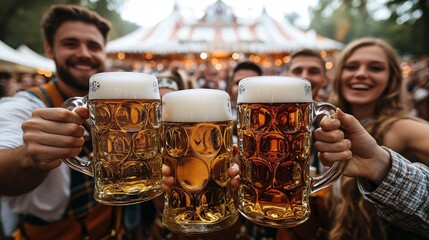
x=43, y=62
x=23, y=61
x=220, y=30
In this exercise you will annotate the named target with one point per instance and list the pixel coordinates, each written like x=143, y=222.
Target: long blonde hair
x=354, y=217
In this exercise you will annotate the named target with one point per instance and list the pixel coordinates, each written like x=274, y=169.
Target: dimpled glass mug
x=125, y=120
x=275, y=118
x=196, y=138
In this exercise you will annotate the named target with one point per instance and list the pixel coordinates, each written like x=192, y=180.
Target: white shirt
x=49, y=200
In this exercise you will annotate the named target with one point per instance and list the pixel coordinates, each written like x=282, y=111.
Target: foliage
x=20, y=21
x=405, y=29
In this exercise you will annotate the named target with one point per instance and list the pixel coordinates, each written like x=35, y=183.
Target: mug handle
x=337, y=169
x=77, y=163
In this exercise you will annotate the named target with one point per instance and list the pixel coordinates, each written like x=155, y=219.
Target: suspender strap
x=49, y=94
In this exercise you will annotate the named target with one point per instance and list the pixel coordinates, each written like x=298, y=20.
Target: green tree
x=20, y=21
x=414, y=15
x=346, y=20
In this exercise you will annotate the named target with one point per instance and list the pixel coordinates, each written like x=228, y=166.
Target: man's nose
x=304, y=74
x=84, y=51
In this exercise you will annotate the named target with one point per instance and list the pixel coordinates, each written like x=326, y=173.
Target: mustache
x=82, y=61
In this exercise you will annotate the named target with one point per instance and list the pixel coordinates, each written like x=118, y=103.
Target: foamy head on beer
x=123, y=85
x=274, y=89
x=196, y=105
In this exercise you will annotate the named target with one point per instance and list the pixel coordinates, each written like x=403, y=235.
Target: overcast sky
x=149, y=12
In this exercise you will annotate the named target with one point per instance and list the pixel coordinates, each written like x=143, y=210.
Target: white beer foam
x=123, y=85
x=196, y=105
x=274, y=89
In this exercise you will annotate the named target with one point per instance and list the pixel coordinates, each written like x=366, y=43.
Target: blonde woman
x=368, y=84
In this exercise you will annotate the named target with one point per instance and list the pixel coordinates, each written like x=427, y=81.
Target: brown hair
x=58, y=14
x=391, y=103
x=353, y=216
x=307, y=52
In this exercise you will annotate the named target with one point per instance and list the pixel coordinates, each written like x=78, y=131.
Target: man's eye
x=297, y=71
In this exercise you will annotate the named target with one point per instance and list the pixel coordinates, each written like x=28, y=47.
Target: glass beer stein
x=196, y=138
x=275, y=118
x=125, y=120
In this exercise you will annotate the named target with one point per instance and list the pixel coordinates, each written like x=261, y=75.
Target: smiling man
x=54, y=201
x=308, y=64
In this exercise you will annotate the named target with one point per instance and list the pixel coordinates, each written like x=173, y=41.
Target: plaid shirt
x=403, y=197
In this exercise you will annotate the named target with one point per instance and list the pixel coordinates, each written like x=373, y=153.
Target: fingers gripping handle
x=337, y=169
x=81, y=164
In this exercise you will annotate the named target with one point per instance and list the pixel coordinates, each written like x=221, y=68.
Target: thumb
x=82, y=112
x=349, y=122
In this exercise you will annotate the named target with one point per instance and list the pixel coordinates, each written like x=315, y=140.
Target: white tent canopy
x=220, y=30
x=23, y=60
x=44, y=62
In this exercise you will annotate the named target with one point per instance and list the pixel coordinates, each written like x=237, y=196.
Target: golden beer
x=125, y=120
x=275, y=117
x=197, y=130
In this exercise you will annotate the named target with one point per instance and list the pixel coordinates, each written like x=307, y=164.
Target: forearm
x=378, y=166
x=401, y=198
x=17, y=174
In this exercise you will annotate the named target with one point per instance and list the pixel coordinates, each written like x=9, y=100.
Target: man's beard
x=72, y=81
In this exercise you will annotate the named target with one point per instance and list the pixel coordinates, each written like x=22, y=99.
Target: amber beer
x=275, y=117
x=125, y=125
x=197, y=130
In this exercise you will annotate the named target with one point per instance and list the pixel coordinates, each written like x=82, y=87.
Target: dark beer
x=275, y=116
x=197, y=146
x=274, y=142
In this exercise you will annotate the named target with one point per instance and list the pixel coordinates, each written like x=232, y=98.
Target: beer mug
x=275, y=118
x=125, y=120
x=196, y=137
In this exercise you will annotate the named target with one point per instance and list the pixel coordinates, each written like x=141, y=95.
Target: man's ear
x=48, y=50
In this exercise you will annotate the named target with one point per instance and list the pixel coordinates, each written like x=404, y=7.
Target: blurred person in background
x=242, y=70
x=8, y=219
x=39, y=79
x=309, y=64
x=8, y=85
x=25, y=80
